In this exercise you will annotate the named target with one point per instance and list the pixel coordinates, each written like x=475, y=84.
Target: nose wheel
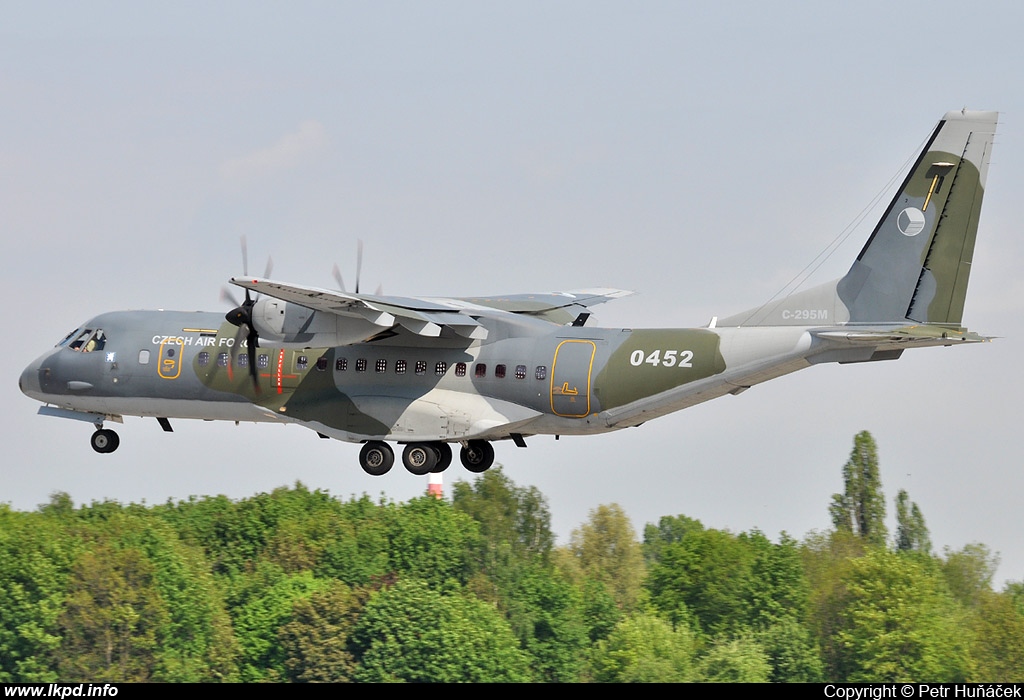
x=104, y=440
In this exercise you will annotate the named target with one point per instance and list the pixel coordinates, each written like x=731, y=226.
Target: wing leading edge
x=428, y=316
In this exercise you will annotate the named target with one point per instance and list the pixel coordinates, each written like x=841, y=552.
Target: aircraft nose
x=28, y=382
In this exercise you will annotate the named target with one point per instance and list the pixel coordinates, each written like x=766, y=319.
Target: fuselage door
x=570, y=378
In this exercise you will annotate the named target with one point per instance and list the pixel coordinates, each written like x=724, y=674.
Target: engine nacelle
x=284, y=323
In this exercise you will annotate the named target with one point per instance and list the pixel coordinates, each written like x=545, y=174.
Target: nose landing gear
x=104, y=440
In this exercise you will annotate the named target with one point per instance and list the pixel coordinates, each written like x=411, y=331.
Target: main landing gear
x=421, y=458
x=104, y=440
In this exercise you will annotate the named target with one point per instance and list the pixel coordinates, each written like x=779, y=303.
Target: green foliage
x=515, y=522
x=735, y=660
x=412, y=633
x=911, y=532
x=969, y=572
x=315, y=643
x=998, y=651
x=605, y=549
x=896, y=621
x=644, y=648
x=861, y=507
x=37, y=555
x=670, y=528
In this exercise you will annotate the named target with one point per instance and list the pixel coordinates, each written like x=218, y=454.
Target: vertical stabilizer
x=916, y=264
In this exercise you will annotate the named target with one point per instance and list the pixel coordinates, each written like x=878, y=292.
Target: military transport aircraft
x=427, y=373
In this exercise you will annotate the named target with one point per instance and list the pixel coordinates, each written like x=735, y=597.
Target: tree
x=737, y=659
x=410, y=632
x=897, y=622
x=861, y=507
x=969, y=572
x=607, y=550
x=316, y=641
x=644, y=648
x=111, y=617
x=911, y=532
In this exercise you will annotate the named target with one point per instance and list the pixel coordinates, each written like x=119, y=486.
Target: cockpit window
x=68, y=338
x=80, y=339
x=88, y=340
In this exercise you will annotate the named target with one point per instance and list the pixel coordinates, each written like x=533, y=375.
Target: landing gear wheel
x=104, y=440
x=376, y=458
x=444, y=456
x=419, y=458
x=477, y=456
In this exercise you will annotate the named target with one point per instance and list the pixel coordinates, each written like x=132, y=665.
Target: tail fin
x=917, y=262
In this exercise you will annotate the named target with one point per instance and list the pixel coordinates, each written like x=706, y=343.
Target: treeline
x=298, y=585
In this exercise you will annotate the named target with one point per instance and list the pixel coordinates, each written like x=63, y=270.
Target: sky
x=701, y=154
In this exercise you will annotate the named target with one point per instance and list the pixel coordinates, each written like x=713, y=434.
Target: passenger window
x=381, y=366
x=400, y=366
x=541, y=372
x=242, y=360
x=481, y=370
x=460, y=369
x=421, y=367
x=499, y=371
x=301, y=363
x=263, y=361
x=440, y=368
x=520, y=371
x=222, y=359
x=144, y=357
x=204, y=358
x=361, y=364
x=341, y=364
x=321, y=363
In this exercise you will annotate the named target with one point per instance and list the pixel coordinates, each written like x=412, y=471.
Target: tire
x=104, y=441
x=376, y=458
x=444, y=456
x=419, y=458
x=477, y=456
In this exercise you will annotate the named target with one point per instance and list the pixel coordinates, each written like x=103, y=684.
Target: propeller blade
x=337, y=278
x=359, y=263
x=227, y=297
x=245, y=257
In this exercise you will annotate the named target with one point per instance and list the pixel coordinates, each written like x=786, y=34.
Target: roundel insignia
x=910, y=221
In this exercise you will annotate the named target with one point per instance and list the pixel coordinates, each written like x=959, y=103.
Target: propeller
x=336, y=271
x=241, y=316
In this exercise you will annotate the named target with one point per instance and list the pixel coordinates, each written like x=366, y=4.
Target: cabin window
x=381, y=366
x=541, y=372
x=421, y=367
x=361, y=364
x=222, y=359
x=204, y=358
x=341, y=364
x=301, y=363
x=520, y=371
x=401, y=366
x=321, y=363
x=263, y=361
x=499, y=371
x=440, y=368
x=460, y=369
x=144, y=357
x=242, y=360
x=480, y=370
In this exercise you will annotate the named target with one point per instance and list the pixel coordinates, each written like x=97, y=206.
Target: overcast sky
x=700, y=154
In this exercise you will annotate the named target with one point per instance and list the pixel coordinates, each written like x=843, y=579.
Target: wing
x=428, y=316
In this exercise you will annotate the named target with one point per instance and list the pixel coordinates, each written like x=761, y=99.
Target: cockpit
x=84, y=340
